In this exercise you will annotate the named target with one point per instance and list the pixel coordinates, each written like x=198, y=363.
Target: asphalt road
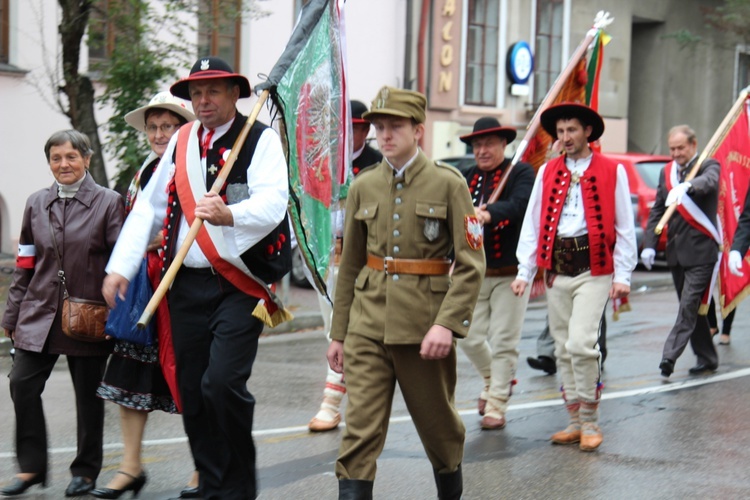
x=682, y=438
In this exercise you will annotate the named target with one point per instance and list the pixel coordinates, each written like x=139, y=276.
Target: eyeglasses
x=166, y=128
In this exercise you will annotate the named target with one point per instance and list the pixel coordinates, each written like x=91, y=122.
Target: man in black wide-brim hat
x=578, y=228
x=492, y=342
x=241, y=249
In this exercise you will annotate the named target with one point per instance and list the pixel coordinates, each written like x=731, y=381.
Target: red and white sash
x=191, y=187
x=688, y=209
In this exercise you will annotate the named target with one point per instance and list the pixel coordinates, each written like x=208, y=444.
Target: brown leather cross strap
x=427, y=267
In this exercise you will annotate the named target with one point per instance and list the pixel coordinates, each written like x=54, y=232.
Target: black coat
x=368, y=157
x=742, y=236
x=501, y=235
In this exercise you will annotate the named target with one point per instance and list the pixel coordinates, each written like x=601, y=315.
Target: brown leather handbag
x=82, y=319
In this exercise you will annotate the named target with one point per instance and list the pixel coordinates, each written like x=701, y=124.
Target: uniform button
x=366, y=211
x=396, y=217
x=432, y=210
x=396, y=233
x=397, y=201
x=171, y=215
x=396, y=249
x=395, y=277
x=466, y=322
x=399, y=186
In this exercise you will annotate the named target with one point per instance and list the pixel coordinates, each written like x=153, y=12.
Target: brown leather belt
x=427, y=267
x=501, y=271
x=570, y=256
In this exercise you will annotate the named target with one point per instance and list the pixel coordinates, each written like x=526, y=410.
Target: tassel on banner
x=620, y=306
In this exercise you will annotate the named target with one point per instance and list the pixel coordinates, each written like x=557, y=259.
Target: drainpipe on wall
x=408, y=45
x=424, y=19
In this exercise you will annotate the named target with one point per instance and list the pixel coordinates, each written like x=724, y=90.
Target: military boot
x=591, y=435
x=355, y=489
x=450, y=486
x=572, y=433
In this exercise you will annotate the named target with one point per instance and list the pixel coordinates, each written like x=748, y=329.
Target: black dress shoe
x=667, y=367
x=135, y=485
x=190, y=492
x=702, y=368
x=79, y=486
x=544, y=363
x=19, y=486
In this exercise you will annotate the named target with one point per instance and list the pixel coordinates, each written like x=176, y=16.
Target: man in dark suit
x=363, y=155
x=492, y=342
x=692, y=247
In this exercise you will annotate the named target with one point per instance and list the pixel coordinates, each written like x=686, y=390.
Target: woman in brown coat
x=86, y=220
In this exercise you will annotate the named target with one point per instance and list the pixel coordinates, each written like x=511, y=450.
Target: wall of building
x=30, y=114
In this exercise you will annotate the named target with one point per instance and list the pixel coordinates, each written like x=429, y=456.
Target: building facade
x=456, y=51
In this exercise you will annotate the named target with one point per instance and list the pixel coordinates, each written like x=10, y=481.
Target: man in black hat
x=363, y=155
x=492, y=342
x=579, y=229
x=241, y=249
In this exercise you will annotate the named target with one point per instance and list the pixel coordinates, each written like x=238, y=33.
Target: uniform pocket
x=430, y=220
x=367, y=213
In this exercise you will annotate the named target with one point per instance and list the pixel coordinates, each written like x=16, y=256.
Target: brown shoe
x=570, y=435
x=491, y=423
x=320, y=425
x=591, y=436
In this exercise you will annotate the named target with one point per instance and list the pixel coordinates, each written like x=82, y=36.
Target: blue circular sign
x=520, y=62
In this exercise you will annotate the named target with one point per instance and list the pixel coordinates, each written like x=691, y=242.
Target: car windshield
x=649, y=171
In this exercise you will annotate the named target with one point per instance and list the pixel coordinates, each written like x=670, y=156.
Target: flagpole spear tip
x=602, y=20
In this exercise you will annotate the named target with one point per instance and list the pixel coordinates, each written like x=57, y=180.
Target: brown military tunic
x=382, y=318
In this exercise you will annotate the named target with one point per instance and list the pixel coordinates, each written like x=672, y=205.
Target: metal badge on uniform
x=431, y=229
x=236, y=193
x=474, y=232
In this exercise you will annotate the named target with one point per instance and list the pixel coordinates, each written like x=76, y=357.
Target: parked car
x=643, y=176
x=462, y=163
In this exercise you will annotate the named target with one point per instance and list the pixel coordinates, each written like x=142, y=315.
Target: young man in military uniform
x=579, y=229
x=404, y=218
x=492, y=342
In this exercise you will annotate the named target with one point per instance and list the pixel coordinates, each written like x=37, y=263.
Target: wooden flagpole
x=601, y=21
x=709, y=150
x=221, y=178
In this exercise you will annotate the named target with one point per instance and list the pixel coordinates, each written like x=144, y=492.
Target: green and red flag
x=308, y=87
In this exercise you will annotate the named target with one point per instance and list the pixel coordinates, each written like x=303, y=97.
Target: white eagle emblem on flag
x=474, y=232
x=204, y=64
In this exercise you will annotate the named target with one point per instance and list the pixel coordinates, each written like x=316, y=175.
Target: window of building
x=482, y=53
x=219, y=28
x=4, y=28
x=549, y=45
x=111, y=20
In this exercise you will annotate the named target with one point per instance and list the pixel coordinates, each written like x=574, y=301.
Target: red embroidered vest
x=598, y=185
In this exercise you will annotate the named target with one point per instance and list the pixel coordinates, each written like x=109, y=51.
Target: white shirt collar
x=400, y=171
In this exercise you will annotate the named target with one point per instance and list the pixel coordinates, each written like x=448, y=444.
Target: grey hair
x=76, y=139
x=686, y=130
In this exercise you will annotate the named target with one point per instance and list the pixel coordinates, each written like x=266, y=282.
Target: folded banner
x=308, y=87
x=734, y=156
